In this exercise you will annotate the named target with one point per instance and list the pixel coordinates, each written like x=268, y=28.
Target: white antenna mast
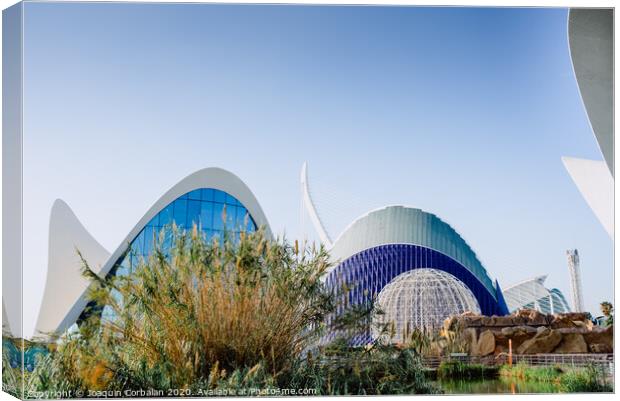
x=311, y=209
x=575, y=279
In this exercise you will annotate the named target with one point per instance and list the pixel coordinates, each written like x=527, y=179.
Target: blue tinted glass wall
x=214, y=212
x=211, y=210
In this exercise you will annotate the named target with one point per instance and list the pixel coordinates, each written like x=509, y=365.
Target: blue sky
x=463, y=112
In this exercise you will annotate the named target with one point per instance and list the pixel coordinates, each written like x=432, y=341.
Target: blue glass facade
x=214, y=212
x=367, y=272
x=211, y=210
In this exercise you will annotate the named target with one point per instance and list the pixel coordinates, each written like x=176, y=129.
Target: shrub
x=241, y=313
x=588, y=380
x=569, y=380
x=547, y=374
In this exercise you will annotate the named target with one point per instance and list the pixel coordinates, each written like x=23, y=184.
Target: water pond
x=496, y=386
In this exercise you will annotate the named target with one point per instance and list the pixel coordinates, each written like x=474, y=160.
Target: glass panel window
x=231, y=212
x=193, y=212
x=239, y=215
x=180, y=212
x=231, y=200
x=195, y=194
x=207, y=194
x=219, y=196
x=165, y=216
x=138, y=243
x=148, y=240
x=218, y=216
x=206, y=215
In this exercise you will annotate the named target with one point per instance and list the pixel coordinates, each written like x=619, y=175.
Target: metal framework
x=422, y=299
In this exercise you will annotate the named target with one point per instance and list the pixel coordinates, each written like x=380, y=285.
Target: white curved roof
x=64, y=283
x=596, y=184
x=407, y=225
x=65, y=292
x=590, y=38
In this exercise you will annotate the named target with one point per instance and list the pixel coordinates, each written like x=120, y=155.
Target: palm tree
x=608, y=311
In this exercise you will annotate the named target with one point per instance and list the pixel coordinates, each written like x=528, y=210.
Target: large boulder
x=599, y=348
x=600, y=335
x=543, y=342
x=486, y=343
x=572, y=343
x=470, y=338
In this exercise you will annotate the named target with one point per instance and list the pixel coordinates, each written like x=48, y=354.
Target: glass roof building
x=379, y=247
x=215, y=200
x=532, y=294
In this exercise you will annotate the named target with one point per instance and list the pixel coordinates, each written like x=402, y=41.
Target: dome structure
x=422, y=299
x=387, y=242
x=393, y=240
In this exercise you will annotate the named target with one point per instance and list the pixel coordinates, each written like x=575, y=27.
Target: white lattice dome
x=422, y=299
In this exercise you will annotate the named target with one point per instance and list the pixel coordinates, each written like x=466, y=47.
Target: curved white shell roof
x=590, y=38
x=64, y=283
x=65, y=291
x=407, y=225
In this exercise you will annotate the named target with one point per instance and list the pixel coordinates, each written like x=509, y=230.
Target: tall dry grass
x=239, y=313
x=229, y=304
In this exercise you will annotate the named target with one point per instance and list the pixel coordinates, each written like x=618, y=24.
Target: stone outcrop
x=572, y=343
x=530, y=332
x=486, y=343
x=544, y=341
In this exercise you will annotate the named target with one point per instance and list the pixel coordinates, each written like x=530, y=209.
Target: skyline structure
x=574, y=272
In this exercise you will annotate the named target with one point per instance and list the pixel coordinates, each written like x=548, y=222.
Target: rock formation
x=531, y=332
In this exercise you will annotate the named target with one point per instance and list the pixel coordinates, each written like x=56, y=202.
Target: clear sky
x=463, y=112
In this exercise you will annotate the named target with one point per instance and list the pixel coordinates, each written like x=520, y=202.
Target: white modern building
x=532, y=294
x=406, y=256
x=590, y=37
x=213, y=199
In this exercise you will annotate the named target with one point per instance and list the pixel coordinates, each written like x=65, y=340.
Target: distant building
x=575, y=279
x=532, y=294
